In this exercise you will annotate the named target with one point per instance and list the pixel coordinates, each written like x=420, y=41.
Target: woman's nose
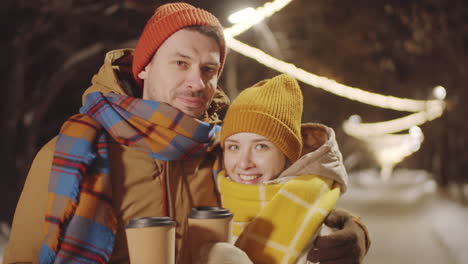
x=245, y=160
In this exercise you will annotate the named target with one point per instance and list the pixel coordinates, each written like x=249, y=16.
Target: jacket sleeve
x=27, y=230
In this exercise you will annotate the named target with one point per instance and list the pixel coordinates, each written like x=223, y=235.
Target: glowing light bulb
x=439, y=92
x=415, y=132
x=355, y=119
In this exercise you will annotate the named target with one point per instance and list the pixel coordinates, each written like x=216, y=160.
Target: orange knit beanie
x=166, y=20
x=271, y=108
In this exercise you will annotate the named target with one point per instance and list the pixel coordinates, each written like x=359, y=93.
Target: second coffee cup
x=209, y=224
x=151, y=240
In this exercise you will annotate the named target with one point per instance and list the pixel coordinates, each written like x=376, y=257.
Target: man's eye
x=210, y=70
x=181, y=63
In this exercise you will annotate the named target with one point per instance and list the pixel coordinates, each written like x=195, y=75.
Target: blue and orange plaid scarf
x=80, y=222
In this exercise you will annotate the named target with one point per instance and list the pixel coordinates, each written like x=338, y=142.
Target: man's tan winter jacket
x=137, y=187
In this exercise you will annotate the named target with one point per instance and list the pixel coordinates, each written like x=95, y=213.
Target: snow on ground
x=450, y=227
x=409, y=220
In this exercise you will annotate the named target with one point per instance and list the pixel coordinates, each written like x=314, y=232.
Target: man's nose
x=195, y=80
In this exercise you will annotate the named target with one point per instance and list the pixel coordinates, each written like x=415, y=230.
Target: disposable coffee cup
x=209, y=224
x=151, y=240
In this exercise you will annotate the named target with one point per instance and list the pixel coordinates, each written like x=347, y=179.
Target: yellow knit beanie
x=271, y=108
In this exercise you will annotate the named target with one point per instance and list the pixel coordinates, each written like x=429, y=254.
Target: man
x=124, y=157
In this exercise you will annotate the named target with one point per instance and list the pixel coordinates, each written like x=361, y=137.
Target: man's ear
x=144, y=73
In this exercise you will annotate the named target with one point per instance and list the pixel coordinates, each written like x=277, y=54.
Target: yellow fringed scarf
x=275, y=223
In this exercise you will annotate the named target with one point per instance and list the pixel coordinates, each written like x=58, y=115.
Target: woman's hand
x=348, y=245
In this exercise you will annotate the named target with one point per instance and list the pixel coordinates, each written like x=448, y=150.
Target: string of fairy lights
x=422, y=111
x=246, y=18
x=425, y=110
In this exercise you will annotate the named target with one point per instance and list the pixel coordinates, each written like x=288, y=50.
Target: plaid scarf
x=80, y=222
x=275, y=223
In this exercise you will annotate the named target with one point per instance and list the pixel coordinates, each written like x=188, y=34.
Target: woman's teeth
x=248, y=178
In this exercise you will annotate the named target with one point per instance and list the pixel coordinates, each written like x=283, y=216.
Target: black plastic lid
x=150, y=221
x=207, y=212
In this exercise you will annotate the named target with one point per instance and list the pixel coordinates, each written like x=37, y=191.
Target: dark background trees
x=50, y=49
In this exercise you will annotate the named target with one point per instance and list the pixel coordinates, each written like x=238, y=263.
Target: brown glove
x=348, y=245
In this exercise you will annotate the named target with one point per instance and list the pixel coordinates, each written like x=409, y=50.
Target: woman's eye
x=261, y=146
x=233, y=147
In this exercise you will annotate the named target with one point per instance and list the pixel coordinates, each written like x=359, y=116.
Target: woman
x=279, y=189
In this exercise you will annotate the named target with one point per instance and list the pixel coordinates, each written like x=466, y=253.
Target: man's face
x=183, y=72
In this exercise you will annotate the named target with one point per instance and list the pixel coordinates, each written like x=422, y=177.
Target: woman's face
x=252, y=159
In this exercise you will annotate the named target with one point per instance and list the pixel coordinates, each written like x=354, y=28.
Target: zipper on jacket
x=169, y=203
